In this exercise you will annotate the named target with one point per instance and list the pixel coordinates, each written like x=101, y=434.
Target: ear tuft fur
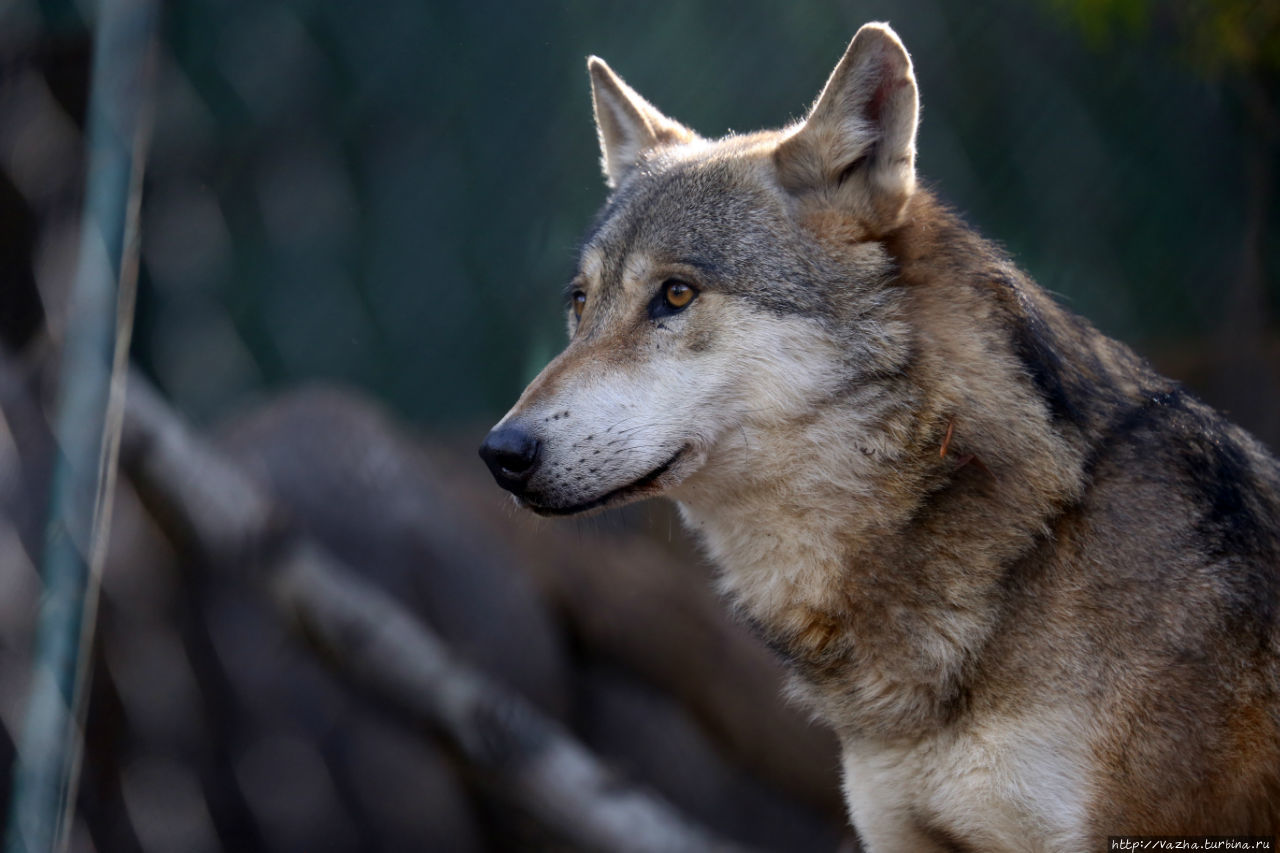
x=856, y=149
x=627, y=124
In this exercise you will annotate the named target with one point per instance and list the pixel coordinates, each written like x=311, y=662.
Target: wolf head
x=727, y=289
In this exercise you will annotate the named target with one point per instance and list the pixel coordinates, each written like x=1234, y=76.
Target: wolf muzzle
x=511, y=452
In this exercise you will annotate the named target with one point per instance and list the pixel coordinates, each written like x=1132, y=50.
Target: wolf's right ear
x=628, y=125
x=857, y=148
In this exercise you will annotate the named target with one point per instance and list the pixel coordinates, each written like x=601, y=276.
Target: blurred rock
x=359, y=486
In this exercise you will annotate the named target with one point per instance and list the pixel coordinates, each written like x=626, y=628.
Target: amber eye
x=579, y=302
x=677, y=294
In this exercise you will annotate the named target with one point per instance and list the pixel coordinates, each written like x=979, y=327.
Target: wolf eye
x=579, y=302
x=677, y=294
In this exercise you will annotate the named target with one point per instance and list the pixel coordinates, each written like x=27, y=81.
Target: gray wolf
x=1031, y=584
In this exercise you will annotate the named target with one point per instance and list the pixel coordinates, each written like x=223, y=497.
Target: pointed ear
x=857, y=148
x=628, y=125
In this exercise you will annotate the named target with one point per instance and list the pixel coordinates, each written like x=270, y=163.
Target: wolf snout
x=511, y=452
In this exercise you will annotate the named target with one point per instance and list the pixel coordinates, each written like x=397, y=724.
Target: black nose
x=511, y=453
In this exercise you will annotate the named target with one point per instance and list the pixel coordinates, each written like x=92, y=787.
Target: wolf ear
x=857, y=148
x=628, y=125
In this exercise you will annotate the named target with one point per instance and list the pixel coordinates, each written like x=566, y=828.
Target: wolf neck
x=868, y=557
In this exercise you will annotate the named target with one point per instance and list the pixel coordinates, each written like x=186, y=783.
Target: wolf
x=1031, y=584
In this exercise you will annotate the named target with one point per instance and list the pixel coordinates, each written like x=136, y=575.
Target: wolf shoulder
x=1178, y=498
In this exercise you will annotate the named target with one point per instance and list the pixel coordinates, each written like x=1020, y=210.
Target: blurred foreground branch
x=370, y=640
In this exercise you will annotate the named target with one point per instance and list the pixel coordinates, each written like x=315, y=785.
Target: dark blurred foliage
x=1217, y=37
x=389, y=195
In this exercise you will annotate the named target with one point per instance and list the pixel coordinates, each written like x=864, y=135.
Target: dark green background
x=389, y=194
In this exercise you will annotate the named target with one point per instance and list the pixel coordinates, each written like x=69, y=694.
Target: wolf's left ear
x=857, y=147
x=628, y=124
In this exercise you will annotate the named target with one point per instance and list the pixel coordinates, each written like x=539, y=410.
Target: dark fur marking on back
x=1034, y=345
x=1224, y=478
x=1216, y=474
x=1072, y=390
x=1231, y=529
x=1144, y=415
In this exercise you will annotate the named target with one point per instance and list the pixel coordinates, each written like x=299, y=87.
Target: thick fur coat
x=1031, y=584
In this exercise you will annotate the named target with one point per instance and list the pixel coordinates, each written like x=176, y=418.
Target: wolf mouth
x=629, y=489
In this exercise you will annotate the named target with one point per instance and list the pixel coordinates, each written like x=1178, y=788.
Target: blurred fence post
x=86, y=426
